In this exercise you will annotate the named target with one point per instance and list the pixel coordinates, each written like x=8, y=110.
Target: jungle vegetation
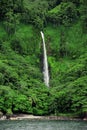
x=22, y=90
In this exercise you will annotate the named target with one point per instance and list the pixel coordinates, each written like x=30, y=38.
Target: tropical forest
x=63, y=25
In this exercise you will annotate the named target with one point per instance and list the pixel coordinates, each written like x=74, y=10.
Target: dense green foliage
x=22, y=89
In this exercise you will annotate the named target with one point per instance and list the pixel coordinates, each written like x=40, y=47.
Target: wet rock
x=1, y=114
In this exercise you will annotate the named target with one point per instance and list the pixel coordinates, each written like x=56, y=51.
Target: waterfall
x=45, y=63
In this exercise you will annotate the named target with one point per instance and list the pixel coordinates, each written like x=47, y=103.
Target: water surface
x=42, y=125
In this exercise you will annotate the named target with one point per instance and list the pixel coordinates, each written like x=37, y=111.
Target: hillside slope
x=22, y=89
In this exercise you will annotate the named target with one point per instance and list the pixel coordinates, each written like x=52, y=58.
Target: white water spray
x=45, y=63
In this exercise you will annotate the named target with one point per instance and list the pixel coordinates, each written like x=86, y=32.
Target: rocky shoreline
x=31, y=117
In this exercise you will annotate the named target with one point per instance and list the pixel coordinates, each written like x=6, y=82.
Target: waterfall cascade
x=45, y=63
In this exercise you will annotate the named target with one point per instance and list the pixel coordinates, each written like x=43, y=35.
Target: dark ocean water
x=42, y=125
